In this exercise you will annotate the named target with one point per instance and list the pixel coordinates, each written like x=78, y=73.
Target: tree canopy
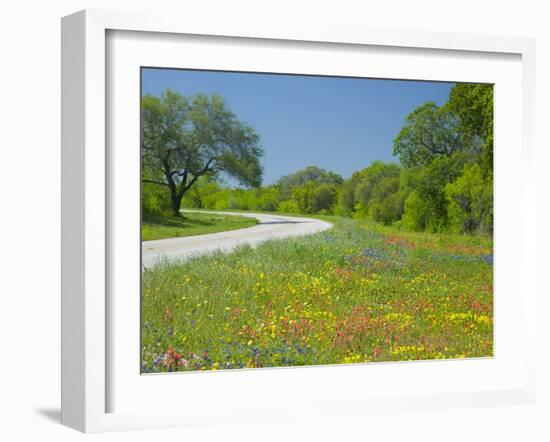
x=473, y=104
x=430, y=131
x=183, y=139
x=310, y=173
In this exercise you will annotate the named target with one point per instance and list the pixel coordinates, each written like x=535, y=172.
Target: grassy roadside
x=194, y=223
x=358, y=292
x=267, y=212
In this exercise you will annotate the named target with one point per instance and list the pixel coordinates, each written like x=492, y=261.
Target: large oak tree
x=183, y=139
x=431, y=131
x=473, y=104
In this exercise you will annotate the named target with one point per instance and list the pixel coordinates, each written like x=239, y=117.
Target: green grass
x=358, y=292
x=159, y=227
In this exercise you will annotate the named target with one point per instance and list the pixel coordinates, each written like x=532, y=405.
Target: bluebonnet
x=372, y=253
x=485, y=258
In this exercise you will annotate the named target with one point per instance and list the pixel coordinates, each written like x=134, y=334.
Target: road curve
x=269, y=227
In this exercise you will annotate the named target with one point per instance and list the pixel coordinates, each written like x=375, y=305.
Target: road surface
x=269, y=227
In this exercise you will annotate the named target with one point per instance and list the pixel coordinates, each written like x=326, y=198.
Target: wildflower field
x=359, y=292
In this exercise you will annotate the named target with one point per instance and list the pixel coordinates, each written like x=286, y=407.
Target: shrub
x=288, y=206
x=470, y=201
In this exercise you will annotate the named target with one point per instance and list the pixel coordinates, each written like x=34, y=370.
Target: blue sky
x=339, y=124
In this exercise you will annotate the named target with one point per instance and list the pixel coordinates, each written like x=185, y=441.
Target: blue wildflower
x=372, y=253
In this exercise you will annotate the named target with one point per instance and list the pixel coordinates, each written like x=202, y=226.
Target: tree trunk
x=175, y=202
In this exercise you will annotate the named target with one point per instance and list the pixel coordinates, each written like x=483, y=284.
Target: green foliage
x=388, y=209
x=311, y=174
x=439, y=144
x=154, y=200
x=374, y=192
x=377, y=193
x=470, y=201
x=312, y=197
x=416, y=215
x=429, y=183
x=346, y=195
x=311, y=190
x=267, y=198
x=430, y=131
x=288, y=206
x=473, y=104
x=208, y=194
x=184, y=139
x=203, y=194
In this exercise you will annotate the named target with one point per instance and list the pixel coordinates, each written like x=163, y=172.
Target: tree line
x=442, y=179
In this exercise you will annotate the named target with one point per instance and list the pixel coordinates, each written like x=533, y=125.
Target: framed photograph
x=263, y=222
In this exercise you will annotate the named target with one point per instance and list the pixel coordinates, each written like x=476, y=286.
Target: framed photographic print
x=235, y=271
x=276, y=223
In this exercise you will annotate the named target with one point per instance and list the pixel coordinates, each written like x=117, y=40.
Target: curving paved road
x=270, y=227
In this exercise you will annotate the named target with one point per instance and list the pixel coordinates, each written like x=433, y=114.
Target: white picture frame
x=85, y=209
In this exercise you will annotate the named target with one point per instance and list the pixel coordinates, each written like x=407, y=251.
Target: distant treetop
x=311, y=173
